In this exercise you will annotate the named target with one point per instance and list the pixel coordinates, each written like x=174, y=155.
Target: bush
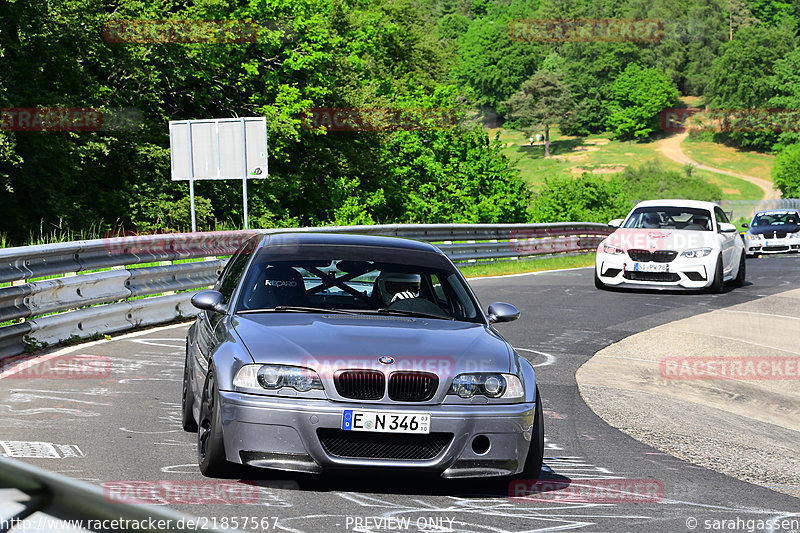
x=651, y=181
x=786, y=171
x=588, y=198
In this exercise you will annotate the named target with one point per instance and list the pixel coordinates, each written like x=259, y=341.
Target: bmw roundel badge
x=386, y=360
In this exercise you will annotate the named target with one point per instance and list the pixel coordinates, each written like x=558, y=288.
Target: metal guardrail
x=87, y=300
x=747, y=208
x=37, y=500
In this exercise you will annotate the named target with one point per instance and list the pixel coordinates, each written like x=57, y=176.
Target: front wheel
x=533, y=463
x=187, y=401
x=739, y=281
x=210, y=446
x=719, y=281
x=597, y=283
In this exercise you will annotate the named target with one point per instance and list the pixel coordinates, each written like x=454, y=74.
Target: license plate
x=651, y=267
x=386, y=422
x=766, y=243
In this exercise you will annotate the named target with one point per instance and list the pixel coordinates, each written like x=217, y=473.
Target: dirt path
x=671, y=148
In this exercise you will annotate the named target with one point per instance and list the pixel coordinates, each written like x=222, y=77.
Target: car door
x=210, y=324
x=727, y=240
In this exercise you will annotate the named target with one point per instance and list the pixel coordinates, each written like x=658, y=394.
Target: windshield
x=781, y=218
x=686, y=218
x=353, y=279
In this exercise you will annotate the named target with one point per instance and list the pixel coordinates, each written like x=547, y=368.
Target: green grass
x=728, y=158
x=527, y=265
x=732, y=188
x=571, y=156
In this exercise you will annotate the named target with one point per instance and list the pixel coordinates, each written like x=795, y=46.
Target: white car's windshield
x=684, y=218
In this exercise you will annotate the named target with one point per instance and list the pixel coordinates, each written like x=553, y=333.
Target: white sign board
x=218, y=149
x=224, y=148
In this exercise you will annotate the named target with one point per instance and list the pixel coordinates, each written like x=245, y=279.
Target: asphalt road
x=125, y=426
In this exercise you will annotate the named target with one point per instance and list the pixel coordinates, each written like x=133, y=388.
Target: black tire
x=719, y=278
x=187, y=401
x=533, y=463
x=597, y=283
x=210, y=445
x=740, y=276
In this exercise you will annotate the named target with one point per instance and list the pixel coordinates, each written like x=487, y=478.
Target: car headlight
x=608, y=249
x=751, y=237
x=697, y=252
x=274, y=377
x=490, y=385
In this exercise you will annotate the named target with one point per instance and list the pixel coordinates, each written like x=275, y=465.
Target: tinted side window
x=234, y=270
x=721, y=217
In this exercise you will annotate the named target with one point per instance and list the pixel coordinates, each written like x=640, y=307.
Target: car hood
x=335, y=342
x=661, y=239
x=769, y=230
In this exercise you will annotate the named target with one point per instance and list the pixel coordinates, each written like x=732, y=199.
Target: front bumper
x=282, y=433
x=682, y=273
x=772, y=246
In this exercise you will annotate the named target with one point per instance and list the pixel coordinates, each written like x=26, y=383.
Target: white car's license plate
x=386, y=422
x=651, y=267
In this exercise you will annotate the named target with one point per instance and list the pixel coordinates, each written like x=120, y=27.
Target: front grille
x=776, y=248
x=360, y=384
x=639, y=255
x=404, y=446
x=412, y=386
x=664, y=256
x=651, y=276
x=660, y=256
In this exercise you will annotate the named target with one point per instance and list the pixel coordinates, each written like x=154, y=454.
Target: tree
x=786, y=171
x=638, y=95
x=743, y=78
x=544, y=100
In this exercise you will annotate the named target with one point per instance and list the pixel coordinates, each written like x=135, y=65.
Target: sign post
x=218, y=149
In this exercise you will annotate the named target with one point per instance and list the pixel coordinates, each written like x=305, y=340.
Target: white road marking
x=39, y=450
x=549, y=358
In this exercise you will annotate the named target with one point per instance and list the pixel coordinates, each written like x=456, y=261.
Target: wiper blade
x=403, y=312
x=296, y=309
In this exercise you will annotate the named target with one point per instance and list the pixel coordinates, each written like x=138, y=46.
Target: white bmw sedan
x=671, y=244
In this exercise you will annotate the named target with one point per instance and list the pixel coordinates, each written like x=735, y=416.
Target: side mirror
x=210, y=301
x=617, y=222
x=502, y=312
x=724, y=227
x=745, y=225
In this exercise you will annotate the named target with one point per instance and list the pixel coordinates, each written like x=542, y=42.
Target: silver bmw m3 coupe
x=318, y=352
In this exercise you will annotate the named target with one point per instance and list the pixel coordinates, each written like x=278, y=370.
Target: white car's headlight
x=274, y=377
x=608, y=249
x=506, y=386
x=697, y=252
x=751, y=237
